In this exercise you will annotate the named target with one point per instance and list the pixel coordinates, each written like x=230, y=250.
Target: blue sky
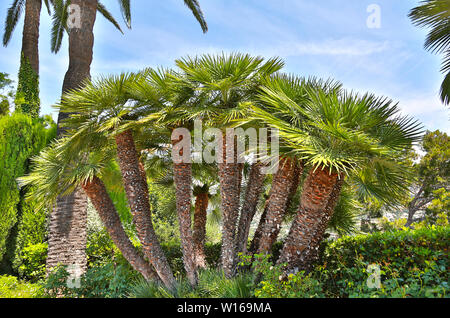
x=327, y=38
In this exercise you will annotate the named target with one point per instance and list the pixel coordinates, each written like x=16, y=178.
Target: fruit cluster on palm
x=330, y=138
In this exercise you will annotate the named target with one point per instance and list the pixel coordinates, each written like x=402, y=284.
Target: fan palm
x=61, y=168
x=290, y=89
x=229, y=80
x=335, y=134
x=435, y=14
x=110, y=106
x=30, y=48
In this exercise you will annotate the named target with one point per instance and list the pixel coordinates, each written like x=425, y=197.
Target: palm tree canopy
x=228, y=81
x=60, y=16
x=331, y=128
x=435, y=14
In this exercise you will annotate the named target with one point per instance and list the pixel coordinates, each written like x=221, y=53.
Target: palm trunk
x=97, y=193
x=182, y=173
x=322, y=226
x=199, y=233
x=282, y=187
x=67, y=231
x=254, y=245
x=248, y=210
x=30, y=37
x=317, y=190
x=28, y=84
x=136, y=189
x=229, y=192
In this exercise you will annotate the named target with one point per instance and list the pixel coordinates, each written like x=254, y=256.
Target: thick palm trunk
x=282, y=187
x=97, y=193
x=67, y=231
x=322, y=226
x=182, y=173
x=136, y=189
x=317, y=190
x=248, y=210
x=199, y=233
x=229, y=192
x=254, y=245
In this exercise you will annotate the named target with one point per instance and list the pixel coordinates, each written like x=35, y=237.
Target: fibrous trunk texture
x=67, y=235
x=182, y=173
x=136, y=189
x=97, y=193
x=30, y=37
x=248, y=210
x=199, y=233
x=229, y=191
x=323, y=224
x=316, y=192
x=282, y=187
x=69, y=218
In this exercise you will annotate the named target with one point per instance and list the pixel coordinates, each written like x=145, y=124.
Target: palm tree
x=110, y=106
x=70, y=211
x=286, y=180
x=336, y=133
x=61, y=167
x=229, y=80
x=28, y=84
x=435, y=14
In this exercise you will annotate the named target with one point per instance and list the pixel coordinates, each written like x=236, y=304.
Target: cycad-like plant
x=63, y=167
x=435, y=14
x=229, y=80
x=109, y=107
x=337, y=134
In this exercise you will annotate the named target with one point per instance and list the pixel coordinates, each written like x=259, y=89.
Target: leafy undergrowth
x=11, y=287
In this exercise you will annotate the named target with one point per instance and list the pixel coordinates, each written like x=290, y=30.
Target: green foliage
x=413, y=263
x=27, y=95
x=20, y=138
x=6, y=93
x=275, y=284
x=212, y=284
x=33, y=259
x=11, y=287
x=106, y=281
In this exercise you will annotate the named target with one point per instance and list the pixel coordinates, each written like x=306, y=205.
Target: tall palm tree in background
x=435, y=14
x=336, y=133
x=67, y=232
x=28, y=84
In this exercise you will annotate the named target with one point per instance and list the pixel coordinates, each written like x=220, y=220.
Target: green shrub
x=273, y=283
x=107, y=281
x=33, y=262
x=11, y=287
x=412, y=263
x=212, y=283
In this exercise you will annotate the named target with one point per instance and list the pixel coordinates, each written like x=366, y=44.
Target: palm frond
x=194, y=6
x=12, y=17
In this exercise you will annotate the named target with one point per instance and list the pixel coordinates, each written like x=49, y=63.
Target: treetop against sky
x=368, y=45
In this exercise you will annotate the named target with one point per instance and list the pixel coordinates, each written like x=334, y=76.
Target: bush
x=273, y=283
x=412, y=263
x=20, y=138
x=212, y=283
x=11, y=287
x=33, y=262
x=107, y=281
